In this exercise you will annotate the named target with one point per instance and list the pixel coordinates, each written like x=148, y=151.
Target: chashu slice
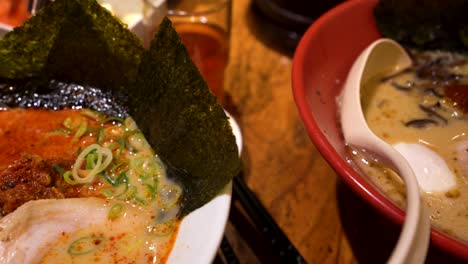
x=43, y=231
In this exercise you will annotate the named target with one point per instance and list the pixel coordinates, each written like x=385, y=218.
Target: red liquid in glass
x=13, y=12
x=208, y=46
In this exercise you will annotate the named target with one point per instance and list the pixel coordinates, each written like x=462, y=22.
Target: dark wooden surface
x=323, y=218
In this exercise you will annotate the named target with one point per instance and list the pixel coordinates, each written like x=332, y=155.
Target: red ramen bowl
x=320, y=65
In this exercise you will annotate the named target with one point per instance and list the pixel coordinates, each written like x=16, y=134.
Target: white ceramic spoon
x=385, y=56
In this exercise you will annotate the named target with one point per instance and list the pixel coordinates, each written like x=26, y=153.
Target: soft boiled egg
x=431, y=170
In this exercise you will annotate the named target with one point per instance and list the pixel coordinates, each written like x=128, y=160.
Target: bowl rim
x=352, y=178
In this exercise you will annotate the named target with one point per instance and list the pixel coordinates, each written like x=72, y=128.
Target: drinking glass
x=13, y=12
x=204, y=27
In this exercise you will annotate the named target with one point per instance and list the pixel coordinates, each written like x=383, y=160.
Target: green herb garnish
x=59, y=169
x=115, y=211
x=122, y=178
x=86, y=245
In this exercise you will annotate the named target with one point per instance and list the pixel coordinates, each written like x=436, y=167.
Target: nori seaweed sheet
x=425, y=25
x=74, y=41
x=189, y=128
x=77, y=51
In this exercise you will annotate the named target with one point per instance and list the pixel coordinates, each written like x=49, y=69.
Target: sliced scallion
x=91, y=160
x=99, y=135
x=86, y=245
x=91, y=114
x=130, y=193
x=108, y=193
x=151, y=190
x=139, y=200
x=81, y=130
x=104, y=158
x=138, y=141
x=146, y=167
x=122, y=144
x=60, y=132
x=58, y=168
x=130, y=124
x=112, y=119
x=68, y=123
x=122, y=178
x=115, y=210
x=170, y=195
x=67, y=176
x=162, y=229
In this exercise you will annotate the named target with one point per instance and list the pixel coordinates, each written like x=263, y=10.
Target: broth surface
x=134, y=203
x=412, y=108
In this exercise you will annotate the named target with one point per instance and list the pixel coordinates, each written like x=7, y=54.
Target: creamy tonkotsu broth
x=412, y=107
x=78, y=186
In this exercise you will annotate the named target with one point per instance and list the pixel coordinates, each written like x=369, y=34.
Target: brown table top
x=319, y=213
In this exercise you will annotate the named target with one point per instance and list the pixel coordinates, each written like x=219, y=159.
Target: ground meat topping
x=32, y=178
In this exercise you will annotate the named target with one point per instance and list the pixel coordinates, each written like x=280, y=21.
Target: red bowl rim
x=351, y=177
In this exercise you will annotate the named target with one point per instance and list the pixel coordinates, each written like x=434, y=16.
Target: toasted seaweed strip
x=110, y=60
x=426, y=25
x=182, y=120
x=74, y=41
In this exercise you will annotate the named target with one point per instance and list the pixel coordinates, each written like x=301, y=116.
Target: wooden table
x=323, y=218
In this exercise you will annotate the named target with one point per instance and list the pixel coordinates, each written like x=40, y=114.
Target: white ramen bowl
x=201, y=231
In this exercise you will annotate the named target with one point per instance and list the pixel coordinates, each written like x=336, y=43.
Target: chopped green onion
x=122, y=178
x=86, y=245
x=146, y=167
x=122, y=144
x=138, y=141
x=139, y=200
x=115, y=210
x=68, y=179
x=170, y=195
x=162, y=229
x=112, y=119
x=58, y=168
x=91, y=160
x=108, y=193
x=81, y=130
x=91, y=114
x=99, y=135
x=128, y=133
x=60, y=132
x=104, y=158
x=78, y=151
x=68, y=123
x=127, y=186
x=113, y=146
x=130, y=124
x=151, y=190
x=130, y=192
x=118, y=164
